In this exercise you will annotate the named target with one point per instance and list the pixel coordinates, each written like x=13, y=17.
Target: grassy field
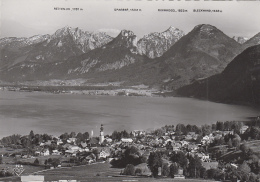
x=42, y=158
x=98, y=172
x=10, y=150
x=28, y=170
x=92, y=173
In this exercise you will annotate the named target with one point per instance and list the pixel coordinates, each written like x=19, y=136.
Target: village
x=175, y=152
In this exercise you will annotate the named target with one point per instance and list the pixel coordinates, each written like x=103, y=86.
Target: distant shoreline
x=111, y=90
x=87, y=90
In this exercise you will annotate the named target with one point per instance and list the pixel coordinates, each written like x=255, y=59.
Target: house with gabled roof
x=83, y=145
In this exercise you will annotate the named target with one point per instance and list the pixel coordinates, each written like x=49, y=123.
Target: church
x=101, y=136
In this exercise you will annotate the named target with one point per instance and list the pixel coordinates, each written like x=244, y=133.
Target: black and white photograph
x=129, y=90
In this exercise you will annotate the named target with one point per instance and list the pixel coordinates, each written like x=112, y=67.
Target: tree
x=254, y=133
x=180, y=128
x=55, y=162
x=133, y=150
x=37, y=139
x=95, y=152
x=159, y=132
x=31, y=135
x=45, y=163
x=244, y=148
x=203, y=172
x=124, y=134
x=244, y=168
x=165, y=170
x=214, y=173
x=195, y=166
x=236, y=142
x=230, y=143
x=220, y=126
x=50, y=160
x=13, y=139
x=199, y=138
x=253, y=177
x=214, y=127
x=64, y=136
x=236, y=126
x=130, y=156
x=72, y=134
x=206, y=129
x=221, y=141
x=189, y=128
x=174, y=169
x=154, y=162
x=129, y=170
x=26, y=142
x=168, y=128
x=86, y=135
x=227, y=126
x=180, y=158
x=115, y=135
x=80, y=136
x=46, y=137
x=37, y=162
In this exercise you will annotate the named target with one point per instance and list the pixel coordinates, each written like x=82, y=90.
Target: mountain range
x=168, y=60
x=238, y=83
x=64, y=43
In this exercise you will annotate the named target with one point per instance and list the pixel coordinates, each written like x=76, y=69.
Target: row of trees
x=119, y=135
x=203, y=130
x=80, y=137
x=229, y=125
x=252, y=132
x=32, y=139
x=36, y=139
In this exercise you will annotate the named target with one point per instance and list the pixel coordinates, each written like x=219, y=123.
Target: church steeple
x=101, y=136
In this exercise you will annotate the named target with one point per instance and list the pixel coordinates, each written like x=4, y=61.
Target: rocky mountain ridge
x=239, y=39
x=120, y=52
x=64, y=43
x=155, y=44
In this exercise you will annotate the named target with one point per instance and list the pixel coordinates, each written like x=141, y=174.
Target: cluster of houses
x=105, y=148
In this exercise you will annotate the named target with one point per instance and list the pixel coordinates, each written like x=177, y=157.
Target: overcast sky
x=24, y=18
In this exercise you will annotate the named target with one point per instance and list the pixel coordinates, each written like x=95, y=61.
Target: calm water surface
x=21, y=112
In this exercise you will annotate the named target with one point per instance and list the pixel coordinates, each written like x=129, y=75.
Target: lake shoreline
x=112, y=90
x=45, y=112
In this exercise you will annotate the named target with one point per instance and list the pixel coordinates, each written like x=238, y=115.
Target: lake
x=21, y=112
